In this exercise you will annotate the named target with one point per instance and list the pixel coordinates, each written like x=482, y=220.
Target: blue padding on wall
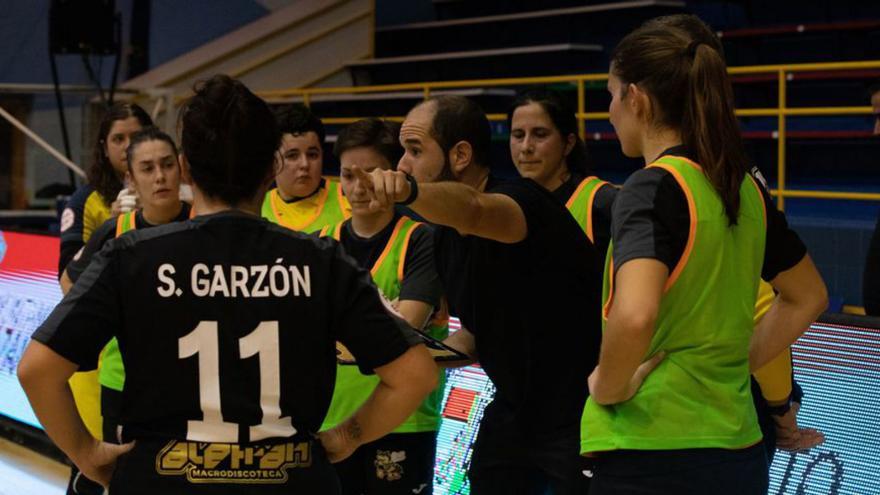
x=838, y=247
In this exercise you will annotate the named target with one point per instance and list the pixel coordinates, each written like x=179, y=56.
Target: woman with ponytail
x=693, y=233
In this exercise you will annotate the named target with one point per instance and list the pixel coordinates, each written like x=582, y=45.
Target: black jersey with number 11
x=227, y=327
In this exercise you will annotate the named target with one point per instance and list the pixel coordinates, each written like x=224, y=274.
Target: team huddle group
x=637, y=336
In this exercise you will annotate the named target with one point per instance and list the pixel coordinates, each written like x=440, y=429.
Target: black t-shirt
x=106, y=232
x=651, y=220
x=533, y=308
x=229, y=294
x=420, y=281
x=603, y=202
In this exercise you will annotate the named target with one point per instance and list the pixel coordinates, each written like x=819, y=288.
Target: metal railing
x=781, y=111
x=162, y=99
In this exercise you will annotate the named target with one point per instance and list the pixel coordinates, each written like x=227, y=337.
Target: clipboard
x=439, y=351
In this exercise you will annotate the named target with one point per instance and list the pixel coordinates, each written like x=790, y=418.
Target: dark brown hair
x=687, y=82
x=144, y=135
x=562, y=114
x=690, y=24
x=101, y=175
x=460, y=119
x=378, y=135
x=297, y=118
x=229, y=137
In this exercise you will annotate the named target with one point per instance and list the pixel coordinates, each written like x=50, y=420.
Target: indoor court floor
x=23, y=471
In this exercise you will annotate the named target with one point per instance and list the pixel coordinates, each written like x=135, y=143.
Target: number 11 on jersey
x=262, y=342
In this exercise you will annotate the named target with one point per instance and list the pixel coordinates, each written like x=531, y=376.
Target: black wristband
x=413, y=190
x=781, y=409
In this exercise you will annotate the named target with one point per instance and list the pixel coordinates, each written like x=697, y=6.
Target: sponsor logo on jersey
x=67, y=219
x=388, y=465
x=203, y=462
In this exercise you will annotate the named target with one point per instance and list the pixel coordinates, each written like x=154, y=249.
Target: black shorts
x=681, y=472
x=172, y=466
x=111, y=407
x=80, y=485
x=505, y=462
x=765, y=421
x=399, y=463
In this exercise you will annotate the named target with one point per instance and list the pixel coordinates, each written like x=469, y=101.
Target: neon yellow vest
x=330, y=208
x=775, y=377
x=580, y=204
x=353, y=388
x=111, y=373
x=700, y=395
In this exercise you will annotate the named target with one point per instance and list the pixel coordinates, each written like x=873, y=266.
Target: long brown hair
x=101, y=175
x=687, y=82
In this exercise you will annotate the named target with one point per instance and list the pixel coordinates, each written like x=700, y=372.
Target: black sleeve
x=797, y=393
x=420, y=279
x=361, y=319
x=544, y=214
x=603, y=202
x=528, y=196
x=784, y=249
x=81, y=259
x=650, y=219
x=82, y=324
x=72, y=227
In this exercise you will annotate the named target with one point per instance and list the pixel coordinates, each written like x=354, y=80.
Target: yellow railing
x=781, y=111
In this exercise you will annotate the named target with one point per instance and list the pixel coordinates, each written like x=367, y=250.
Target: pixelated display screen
x=28, y=292
x=837, y=363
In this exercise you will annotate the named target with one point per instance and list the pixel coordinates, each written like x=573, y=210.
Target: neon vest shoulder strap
x=580, y=204
x=353, y=388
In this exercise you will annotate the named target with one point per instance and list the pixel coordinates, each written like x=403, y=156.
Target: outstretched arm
x=491, y=216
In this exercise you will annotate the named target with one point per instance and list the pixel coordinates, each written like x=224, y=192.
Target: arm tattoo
x=353, y=430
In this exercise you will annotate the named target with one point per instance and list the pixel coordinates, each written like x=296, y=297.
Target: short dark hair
x=296, y=118
x=874, y=88
x=379, y=135
x=100, y=174
x=144, y=135
x=457, y=119
x=562, y=114
x=230, y=138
